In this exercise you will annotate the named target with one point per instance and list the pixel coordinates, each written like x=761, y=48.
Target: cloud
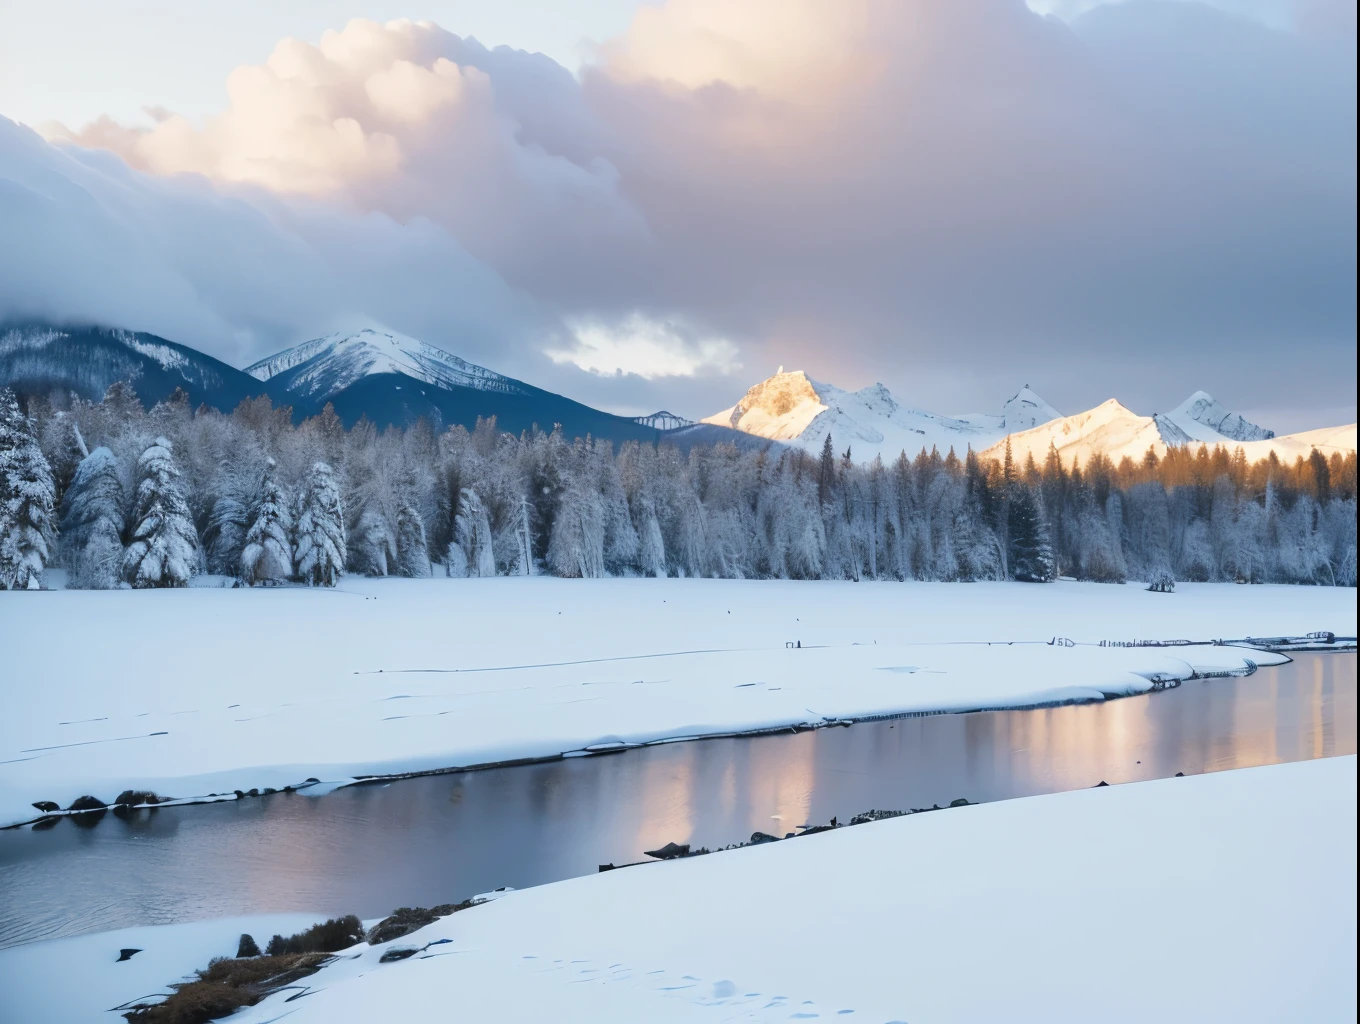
x=237, y=273
x=955, y=198
x=647, y=348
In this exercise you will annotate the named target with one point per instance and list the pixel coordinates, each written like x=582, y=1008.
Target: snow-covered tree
x=267, y=556
x=373, y=547
x=320, y=535
x=652, y=549
x=472, y=535
x=92, y=522
x=27, y=496
x=164, y=546
x=576, y=546
x=413, y=554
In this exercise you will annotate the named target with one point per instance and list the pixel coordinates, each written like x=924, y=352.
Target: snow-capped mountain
x=1109, y=428
x=388, y=378
x=1116, y=431
x=1026, y=411
x=323, y=367
x=1201, y=418
x=37, y=358
x=793, y=407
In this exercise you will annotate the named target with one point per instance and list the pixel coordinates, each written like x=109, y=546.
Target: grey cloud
x=1144, y=200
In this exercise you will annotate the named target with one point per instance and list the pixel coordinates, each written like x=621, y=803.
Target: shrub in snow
x=164, y=546
x=92, y=522
x=413, y=555
x=1162, y=582
x=27, y=495
x=320, y=535
x=267, y=556
x=472, y=534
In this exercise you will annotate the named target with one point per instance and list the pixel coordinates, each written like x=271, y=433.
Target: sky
x=647, y=206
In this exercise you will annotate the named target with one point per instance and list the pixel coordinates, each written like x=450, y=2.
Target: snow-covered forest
x=117, y=494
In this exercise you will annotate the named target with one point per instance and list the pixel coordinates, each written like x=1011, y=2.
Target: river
x=438, y=839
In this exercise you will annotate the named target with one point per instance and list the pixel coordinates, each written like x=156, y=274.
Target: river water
x=440, y=839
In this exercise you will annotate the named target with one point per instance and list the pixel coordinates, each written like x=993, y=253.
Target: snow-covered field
x=1222, y=897
x=81, y=979
x=212, y=690
x=208, y=690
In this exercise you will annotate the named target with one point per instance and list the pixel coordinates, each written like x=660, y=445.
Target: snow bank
x=1229, y=897
x=203, y=691
x=81, y=979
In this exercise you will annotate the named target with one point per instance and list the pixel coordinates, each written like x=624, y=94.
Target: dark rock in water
x=126, y=954
x=960, y=802
x=268, y=790
x=397, y=954
x=1102, y=782
x=43, y=824
x=131, y=797
x=763, y=837
x=46, y=806
x=253, y=792
x=240, y=794
x=247, y=947
x=311, y=778
x=669, y=851
x=88, y=811
x=606, y=867
x=1179, y=775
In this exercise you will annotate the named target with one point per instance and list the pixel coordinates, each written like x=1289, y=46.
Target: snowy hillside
x=1116, y=431
x=795, y=408
x=325, y=366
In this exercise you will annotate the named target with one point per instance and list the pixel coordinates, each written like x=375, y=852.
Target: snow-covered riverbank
x=213, y=690
x=1229, y=896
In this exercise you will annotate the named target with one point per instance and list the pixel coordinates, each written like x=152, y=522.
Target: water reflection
x=369, y=849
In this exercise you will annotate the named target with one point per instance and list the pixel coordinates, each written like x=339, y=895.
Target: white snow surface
x=79, y=979
x=1221, y=897
x=794, y=408
x=1116, y=431
x=209, y=690
x=336, y=361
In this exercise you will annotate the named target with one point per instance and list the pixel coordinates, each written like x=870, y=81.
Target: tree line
x=120, y=495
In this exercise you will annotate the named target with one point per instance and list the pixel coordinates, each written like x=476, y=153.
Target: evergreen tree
x=413, y=555
x=320, y=535
x=826, y=471
x=92, y=522
x=27, y=496
x=1031, y=555
x=164, y=545
x=267, y=556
